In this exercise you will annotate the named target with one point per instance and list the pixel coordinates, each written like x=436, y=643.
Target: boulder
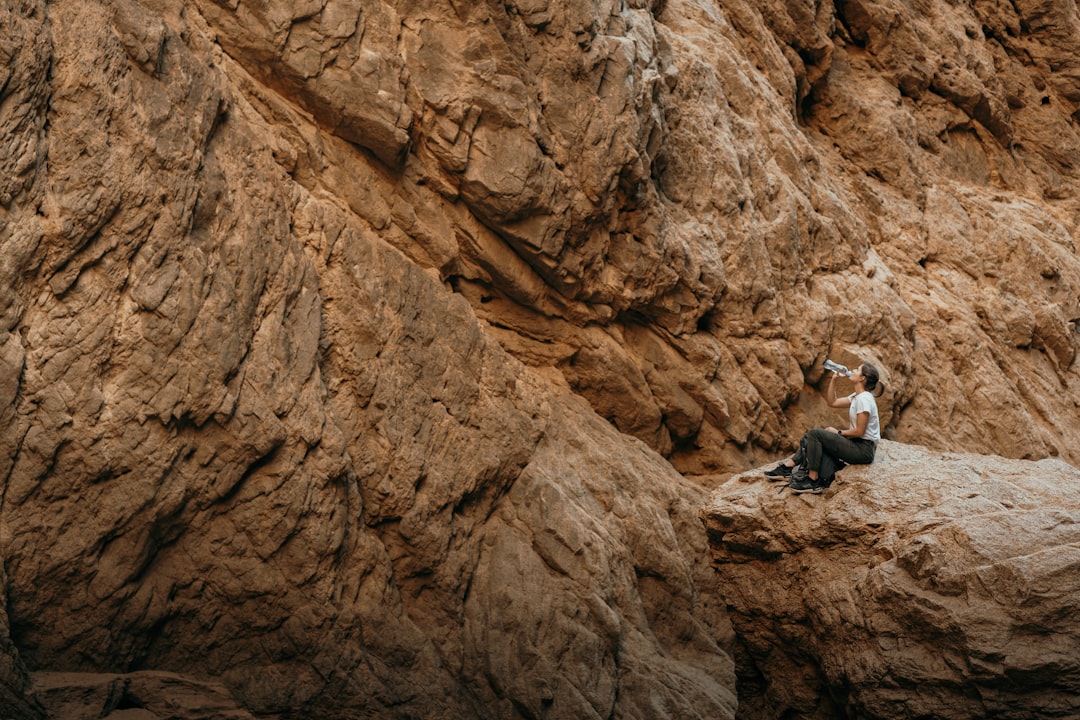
x=925, y=585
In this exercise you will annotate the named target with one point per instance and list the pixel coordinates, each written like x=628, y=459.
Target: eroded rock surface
x=135, y=696
x=249, y=441
x=926, y=585
x=350, y=351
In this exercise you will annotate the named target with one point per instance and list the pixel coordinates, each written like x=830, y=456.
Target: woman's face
x=856, y=375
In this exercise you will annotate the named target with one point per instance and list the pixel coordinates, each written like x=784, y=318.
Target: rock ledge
x=928, y=585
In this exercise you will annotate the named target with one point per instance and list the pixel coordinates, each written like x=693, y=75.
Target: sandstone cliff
x=353, y=354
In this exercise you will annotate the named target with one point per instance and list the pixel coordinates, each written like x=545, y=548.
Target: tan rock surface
x=925, y=585
x=249, y=441
x=308, y=312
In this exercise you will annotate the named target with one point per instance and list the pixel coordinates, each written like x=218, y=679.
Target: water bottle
x=836, y=368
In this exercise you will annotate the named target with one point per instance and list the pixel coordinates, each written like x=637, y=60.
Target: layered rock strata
x=926, y=585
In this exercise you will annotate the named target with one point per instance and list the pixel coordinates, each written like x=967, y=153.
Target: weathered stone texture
x=930, y=585
x=350, y=352
x=250, y=442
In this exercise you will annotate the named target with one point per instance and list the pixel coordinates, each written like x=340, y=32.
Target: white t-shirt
x=864, y=402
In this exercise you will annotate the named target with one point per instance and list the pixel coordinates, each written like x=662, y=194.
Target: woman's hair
x=873, y=379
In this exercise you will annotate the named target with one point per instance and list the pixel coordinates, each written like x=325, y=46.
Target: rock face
x=249, y=442
x=926, y=585
x=135, y=696
x=354, y=355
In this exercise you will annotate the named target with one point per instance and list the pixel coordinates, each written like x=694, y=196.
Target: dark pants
x=819, y=440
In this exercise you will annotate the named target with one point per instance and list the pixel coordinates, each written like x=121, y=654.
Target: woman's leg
x=815, y=440
x=783, y=470
x=853, y=452
x=800, y=455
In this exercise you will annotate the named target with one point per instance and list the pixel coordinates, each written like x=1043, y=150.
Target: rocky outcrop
x=926, y=585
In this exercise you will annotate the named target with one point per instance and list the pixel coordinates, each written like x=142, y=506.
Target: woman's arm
x=830, y=395
x=861, y=421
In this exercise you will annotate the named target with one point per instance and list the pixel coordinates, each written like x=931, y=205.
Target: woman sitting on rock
x=855, y=446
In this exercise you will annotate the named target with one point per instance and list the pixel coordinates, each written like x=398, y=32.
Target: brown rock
x=18, y=697
x=248, y=440
x=925, y=585
x=308, y=312
x=338, y=62
x=135, y=696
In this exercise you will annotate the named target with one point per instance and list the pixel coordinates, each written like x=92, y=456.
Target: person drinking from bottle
x=854, y=445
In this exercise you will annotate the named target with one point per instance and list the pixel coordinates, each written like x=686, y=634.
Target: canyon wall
x=374, y=359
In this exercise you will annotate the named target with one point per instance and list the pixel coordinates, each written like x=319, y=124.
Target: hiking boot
x=807, y=486
x=780, y=472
